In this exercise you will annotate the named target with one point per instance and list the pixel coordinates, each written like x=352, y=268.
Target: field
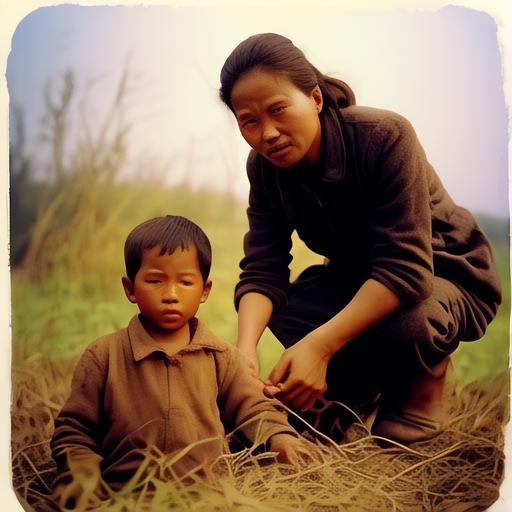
x=57, y=315
x=67, y=235
x=73, y=294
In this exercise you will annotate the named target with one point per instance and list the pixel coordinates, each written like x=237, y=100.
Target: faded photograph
x=259, y=260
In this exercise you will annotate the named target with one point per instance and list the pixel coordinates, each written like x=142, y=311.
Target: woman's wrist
x=246, y=344
x=325, y=342
x=329, y=338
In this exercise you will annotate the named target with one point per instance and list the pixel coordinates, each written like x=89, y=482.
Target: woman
x=408, y=273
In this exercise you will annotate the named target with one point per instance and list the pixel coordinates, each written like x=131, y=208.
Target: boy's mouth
x=171, y=312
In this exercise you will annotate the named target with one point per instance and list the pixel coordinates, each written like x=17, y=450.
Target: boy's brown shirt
x=128, y=394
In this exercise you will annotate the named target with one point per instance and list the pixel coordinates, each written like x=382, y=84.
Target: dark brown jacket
x=388, y=218
x=127, y=394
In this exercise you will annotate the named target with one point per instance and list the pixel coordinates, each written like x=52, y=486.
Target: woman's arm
x=254, y=312
x=267, y=243
x=300, y=373
x=401, y=259
x=264, y=280
x=371, y=303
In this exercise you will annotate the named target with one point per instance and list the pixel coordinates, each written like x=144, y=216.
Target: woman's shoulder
x=378, y=128
x=252, y=161
x=357, y=114
x=257, y=167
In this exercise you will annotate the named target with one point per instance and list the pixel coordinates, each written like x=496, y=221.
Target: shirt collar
x=141, y=341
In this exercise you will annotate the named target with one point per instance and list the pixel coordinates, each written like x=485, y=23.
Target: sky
x=440, y=66
x=441, y=69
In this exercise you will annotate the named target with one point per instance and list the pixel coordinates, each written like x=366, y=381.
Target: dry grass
x=460, y=470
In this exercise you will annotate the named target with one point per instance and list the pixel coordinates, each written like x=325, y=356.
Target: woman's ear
x=316, y=94
x=128, y=289
x=206, y=290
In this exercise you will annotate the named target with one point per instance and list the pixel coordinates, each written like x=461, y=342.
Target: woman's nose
x=269, y=132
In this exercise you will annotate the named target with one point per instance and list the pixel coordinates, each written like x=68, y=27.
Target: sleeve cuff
x=278, y=298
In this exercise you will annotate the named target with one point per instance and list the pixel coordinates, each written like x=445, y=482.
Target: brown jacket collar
x=142, y=343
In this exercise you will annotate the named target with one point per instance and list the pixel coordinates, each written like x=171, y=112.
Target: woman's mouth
x=280, y=151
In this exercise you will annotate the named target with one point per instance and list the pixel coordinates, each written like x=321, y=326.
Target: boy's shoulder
x=101, y=347
x=226, y=354
x=205, y=337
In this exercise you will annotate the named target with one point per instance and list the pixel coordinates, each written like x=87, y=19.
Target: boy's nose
x=170, y=294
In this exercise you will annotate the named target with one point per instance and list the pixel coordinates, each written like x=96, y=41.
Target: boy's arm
x=74, y=442
x=242, y=402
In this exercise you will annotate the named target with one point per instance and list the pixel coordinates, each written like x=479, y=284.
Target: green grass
x=490, y=355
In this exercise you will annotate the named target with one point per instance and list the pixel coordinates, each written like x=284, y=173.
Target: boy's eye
x=187, y=283
x=152, y=281
x=278, y=110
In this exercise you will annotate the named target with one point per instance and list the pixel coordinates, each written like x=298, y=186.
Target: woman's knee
x=425, y=332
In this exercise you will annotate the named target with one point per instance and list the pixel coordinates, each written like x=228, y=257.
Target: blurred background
x=115, y=118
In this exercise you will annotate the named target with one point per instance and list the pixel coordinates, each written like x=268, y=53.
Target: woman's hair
x=168, y=233
x=273, y=52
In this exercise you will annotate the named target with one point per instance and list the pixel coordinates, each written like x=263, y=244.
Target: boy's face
x=167, y=289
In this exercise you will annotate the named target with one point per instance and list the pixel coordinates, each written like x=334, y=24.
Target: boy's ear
x=128, y=289
x=206, y=290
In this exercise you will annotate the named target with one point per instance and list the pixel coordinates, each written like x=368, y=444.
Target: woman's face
x=277, y=119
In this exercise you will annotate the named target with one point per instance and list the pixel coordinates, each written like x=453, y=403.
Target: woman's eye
x=249, y=122
x=277, y=110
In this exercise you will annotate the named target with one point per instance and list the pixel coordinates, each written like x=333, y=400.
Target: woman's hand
x=298, y=378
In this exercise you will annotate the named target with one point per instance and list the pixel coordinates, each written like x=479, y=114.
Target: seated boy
x=165, y=380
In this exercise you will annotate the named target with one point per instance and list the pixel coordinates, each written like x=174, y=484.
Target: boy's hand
x=290, y=449
x=81, y=492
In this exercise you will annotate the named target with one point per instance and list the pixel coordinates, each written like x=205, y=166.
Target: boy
x=165, y=380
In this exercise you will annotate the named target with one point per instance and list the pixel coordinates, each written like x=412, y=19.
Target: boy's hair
x=169, y=232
